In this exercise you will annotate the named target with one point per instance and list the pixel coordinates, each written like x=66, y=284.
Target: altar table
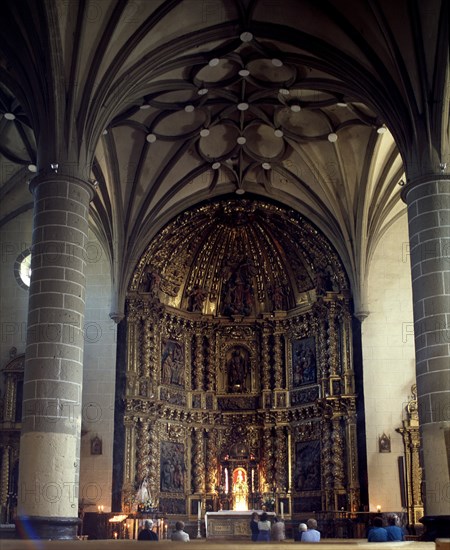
x=230, y=524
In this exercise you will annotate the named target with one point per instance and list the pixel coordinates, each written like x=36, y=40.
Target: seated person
x=146, y=533
x=394, y=532
x=302, y=527
x=179, y=533
x=278, y=529
x=264, y=527
x=254, y=526
x=378, y=533
x=311, y=534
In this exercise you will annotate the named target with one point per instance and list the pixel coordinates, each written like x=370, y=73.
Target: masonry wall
x=98, y=383
x=15, y=237
x=388, y=362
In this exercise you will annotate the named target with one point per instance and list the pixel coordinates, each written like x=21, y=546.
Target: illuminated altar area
x=239, y=384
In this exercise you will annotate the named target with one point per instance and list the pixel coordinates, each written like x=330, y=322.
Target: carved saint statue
x=237, y=368
x=240, y=489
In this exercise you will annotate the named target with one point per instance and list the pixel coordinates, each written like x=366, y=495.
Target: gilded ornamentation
x=413, y=471
x=198, y=462
x=281, y=458
x=211, y=461
x=268, y=372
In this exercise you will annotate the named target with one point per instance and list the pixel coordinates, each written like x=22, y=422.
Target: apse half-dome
x=239, y=257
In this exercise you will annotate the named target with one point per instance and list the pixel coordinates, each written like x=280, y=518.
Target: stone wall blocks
x=64, y=205
x=425, y=251
x=419, y=310
x=61, y=259
x=416, y=271
x=438, y=363
x=58, y=389
x=59, y=425
x=444, y=218
x=438, y=337
x=433, y=203
x=71, y=370
x=51, y=273
x=446, y=276
x=74, y=275
x=76, y=220
x=47, y=299
x=440, y=406
x=62, y=316
x=432, y=266
x=29, y=390
x=52, y=217
x=431, y=324
x=437, y=305
x=55, y=233
x=43, y=368
x=412, y=209
x=65, y=287
x=63, y=351
x=423, y=221
x=431, y=284
x=422, y=190
x=44, y=332
x=441, y=350
x=73, y=303
x=51, y=189
x=436, y=382
x=80, y=194
x=433, y=234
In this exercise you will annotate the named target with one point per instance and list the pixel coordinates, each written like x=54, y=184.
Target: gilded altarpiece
x=273, y=399
x=239, y=379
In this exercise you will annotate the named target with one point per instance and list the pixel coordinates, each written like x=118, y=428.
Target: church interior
x=225, y=282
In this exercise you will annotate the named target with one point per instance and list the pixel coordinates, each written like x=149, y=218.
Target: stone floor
x=202, y=544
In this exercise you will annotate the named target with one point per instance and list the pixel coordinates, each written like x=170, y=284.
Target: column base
x=436, y=527
x=47, y=528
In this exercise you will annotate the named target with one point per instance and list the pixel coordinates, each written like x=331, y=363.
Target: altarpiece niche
x=240, y=384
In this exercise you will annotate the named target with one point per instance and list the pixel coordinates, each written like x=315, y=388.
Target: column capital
x=54, y=177
x=430, y=177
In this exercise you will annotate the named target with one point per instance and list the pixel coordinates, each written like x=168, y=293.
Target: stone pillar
x=51, y=425
x=428, y=201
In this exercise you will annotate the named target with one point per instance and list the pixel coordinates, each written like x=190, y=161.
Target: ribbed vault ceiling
x=164, y=104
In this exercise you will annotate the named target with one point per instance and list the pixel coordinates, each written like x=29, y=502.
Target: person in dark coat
x=254, y=526
x=146, y=533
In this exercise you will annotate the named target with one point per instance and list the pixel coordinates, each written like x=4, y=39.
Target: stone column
x=50, y=439
x=428, y=201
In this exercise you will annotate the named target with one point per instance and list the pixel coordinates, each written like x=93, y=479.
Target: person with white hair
x=311, y=534
x=302, y=527
x=147, y=532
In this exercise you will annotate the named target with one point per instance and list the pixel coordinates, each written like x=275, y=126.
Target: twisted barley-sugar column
x=278, y=373
x=265, y=365
x=51, y=424
x=428, y=201
x=199, y=360
x=198, y=465
x=211, y=461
